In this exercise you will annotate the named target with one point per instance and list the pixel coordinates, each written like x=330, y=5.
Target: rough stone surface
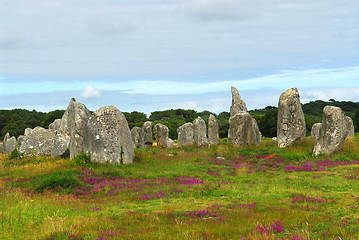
x=170, y=142
x=314, y=133
x=9, y=144
x=291, y=123
x=108, y=137
x=213, y=131
x=137, y=137
x=199, y=132
x=19, y=140
x=161, y=134
x=238, y=105
x=55, y=125
x=185, y=134
x=73, y=123
x=27, y=131
x=61, y=144
x=351, y=131
x=40, y=142
x=244, y=130
x=333, y=132
x=147, y=134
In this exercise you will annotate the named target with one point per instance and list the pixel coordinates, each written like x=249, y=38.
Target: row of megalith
x=106, y=137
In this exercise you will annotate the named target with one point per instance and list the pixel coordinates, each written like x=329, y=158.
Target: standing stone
x=199, y=132
x=39, y=141
x=107, y=137
x=147, y=134
x=238, y=105
x=291, y=123
x=213, y=131
x=351, y=131
x=333, y=132
x=185, y=134
x=19, y=140
x=243, y=128
x=61, y=146
x=137, y=137
x=9, y=144
x=54, y=126
x=314, y=133
x=161, y=134
x=27, y=131
x=73, y=123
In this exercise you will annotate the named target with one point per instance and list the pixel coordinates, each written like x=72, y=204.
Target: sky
x=152, y=55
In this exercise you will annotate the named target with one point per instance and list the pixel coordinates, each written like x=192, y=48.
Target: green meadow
x=219, y=192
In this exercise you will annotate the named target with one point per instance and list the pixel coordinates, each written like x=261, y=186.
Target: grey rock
x=238, y=105
x=40, y=142
x=161, y=134
x=314, y=133
x=137, y=137
x=55, y=125
x=19, y=140
x=291, y=123
x=199, y=132
x=243, y=130
x=351, y=131
x=185, y=134
x=2, y=148
x=213, y=131
x=9, y=144
x=73, y=123
x=170, y=142
x=333, y=132
x=147, y=134
x=108, y=137
x=61, y=146
x=27, y=131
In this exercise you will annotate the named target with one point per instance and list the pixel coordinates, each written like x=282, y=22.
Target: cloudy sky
x=147, y=55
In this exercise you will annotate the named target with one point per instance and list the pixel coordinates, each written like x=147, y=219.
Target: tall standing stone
x=333, y=132
x=107, y=137
x=351, y=131
x=213, y=131
x=137, y=137
x=185, y=134
x=199, y=132
x=291, y=123
x=147, y=134
x=161, y=134
x=243, y=128
x=73, y=123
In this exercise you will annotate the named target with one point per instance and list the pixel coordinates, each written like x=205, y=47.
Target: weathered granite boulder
x=314, y=133
x=9, y=144
x=147, y=134
x=161, y=134
x=2, y=148
x=73, y=123
x=170, y=142
x=199, y=132
x=19, y=140
x=291, y=123
x=185, y=134
x=351, y=131
x=27, y=131
x=244, y=130
x=55, y=125
x=238, y=105
x=137, y=137
x=333, y=132
x=61, y=146
x=213, y=131
x=107, y=137
x=39, y=141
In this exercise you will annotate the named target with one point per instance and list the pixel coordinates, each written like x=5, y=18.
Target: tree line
x=17, y=120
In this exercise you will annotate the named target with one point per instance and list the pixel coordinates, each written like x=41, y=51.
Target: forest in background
x=17, y=120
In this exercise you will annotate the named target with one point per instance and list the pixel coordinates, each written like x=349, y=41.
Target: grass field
x=224, y=192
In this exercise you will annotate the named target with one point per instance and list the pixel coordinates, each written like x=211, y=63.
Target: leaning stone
x=73, y=123
x=291, y=123
x=351, y=131
x=161, y=134
x=213, y=131
x=244, y=130
x=147, y=134
x=199, y=132
x=40, y=142
x=137, y=137
x=314, y=133
x=185, y=134
x=238, y=105
x=55, y=125
x=108, y=138
x=333, y=132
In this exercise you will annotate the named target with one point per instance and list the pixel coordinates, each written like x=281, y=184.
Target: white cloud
x=90, y=92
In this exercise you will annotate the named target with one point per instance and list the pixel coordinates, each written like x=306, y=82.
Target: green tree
x=50, y=117
x=356, y=121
